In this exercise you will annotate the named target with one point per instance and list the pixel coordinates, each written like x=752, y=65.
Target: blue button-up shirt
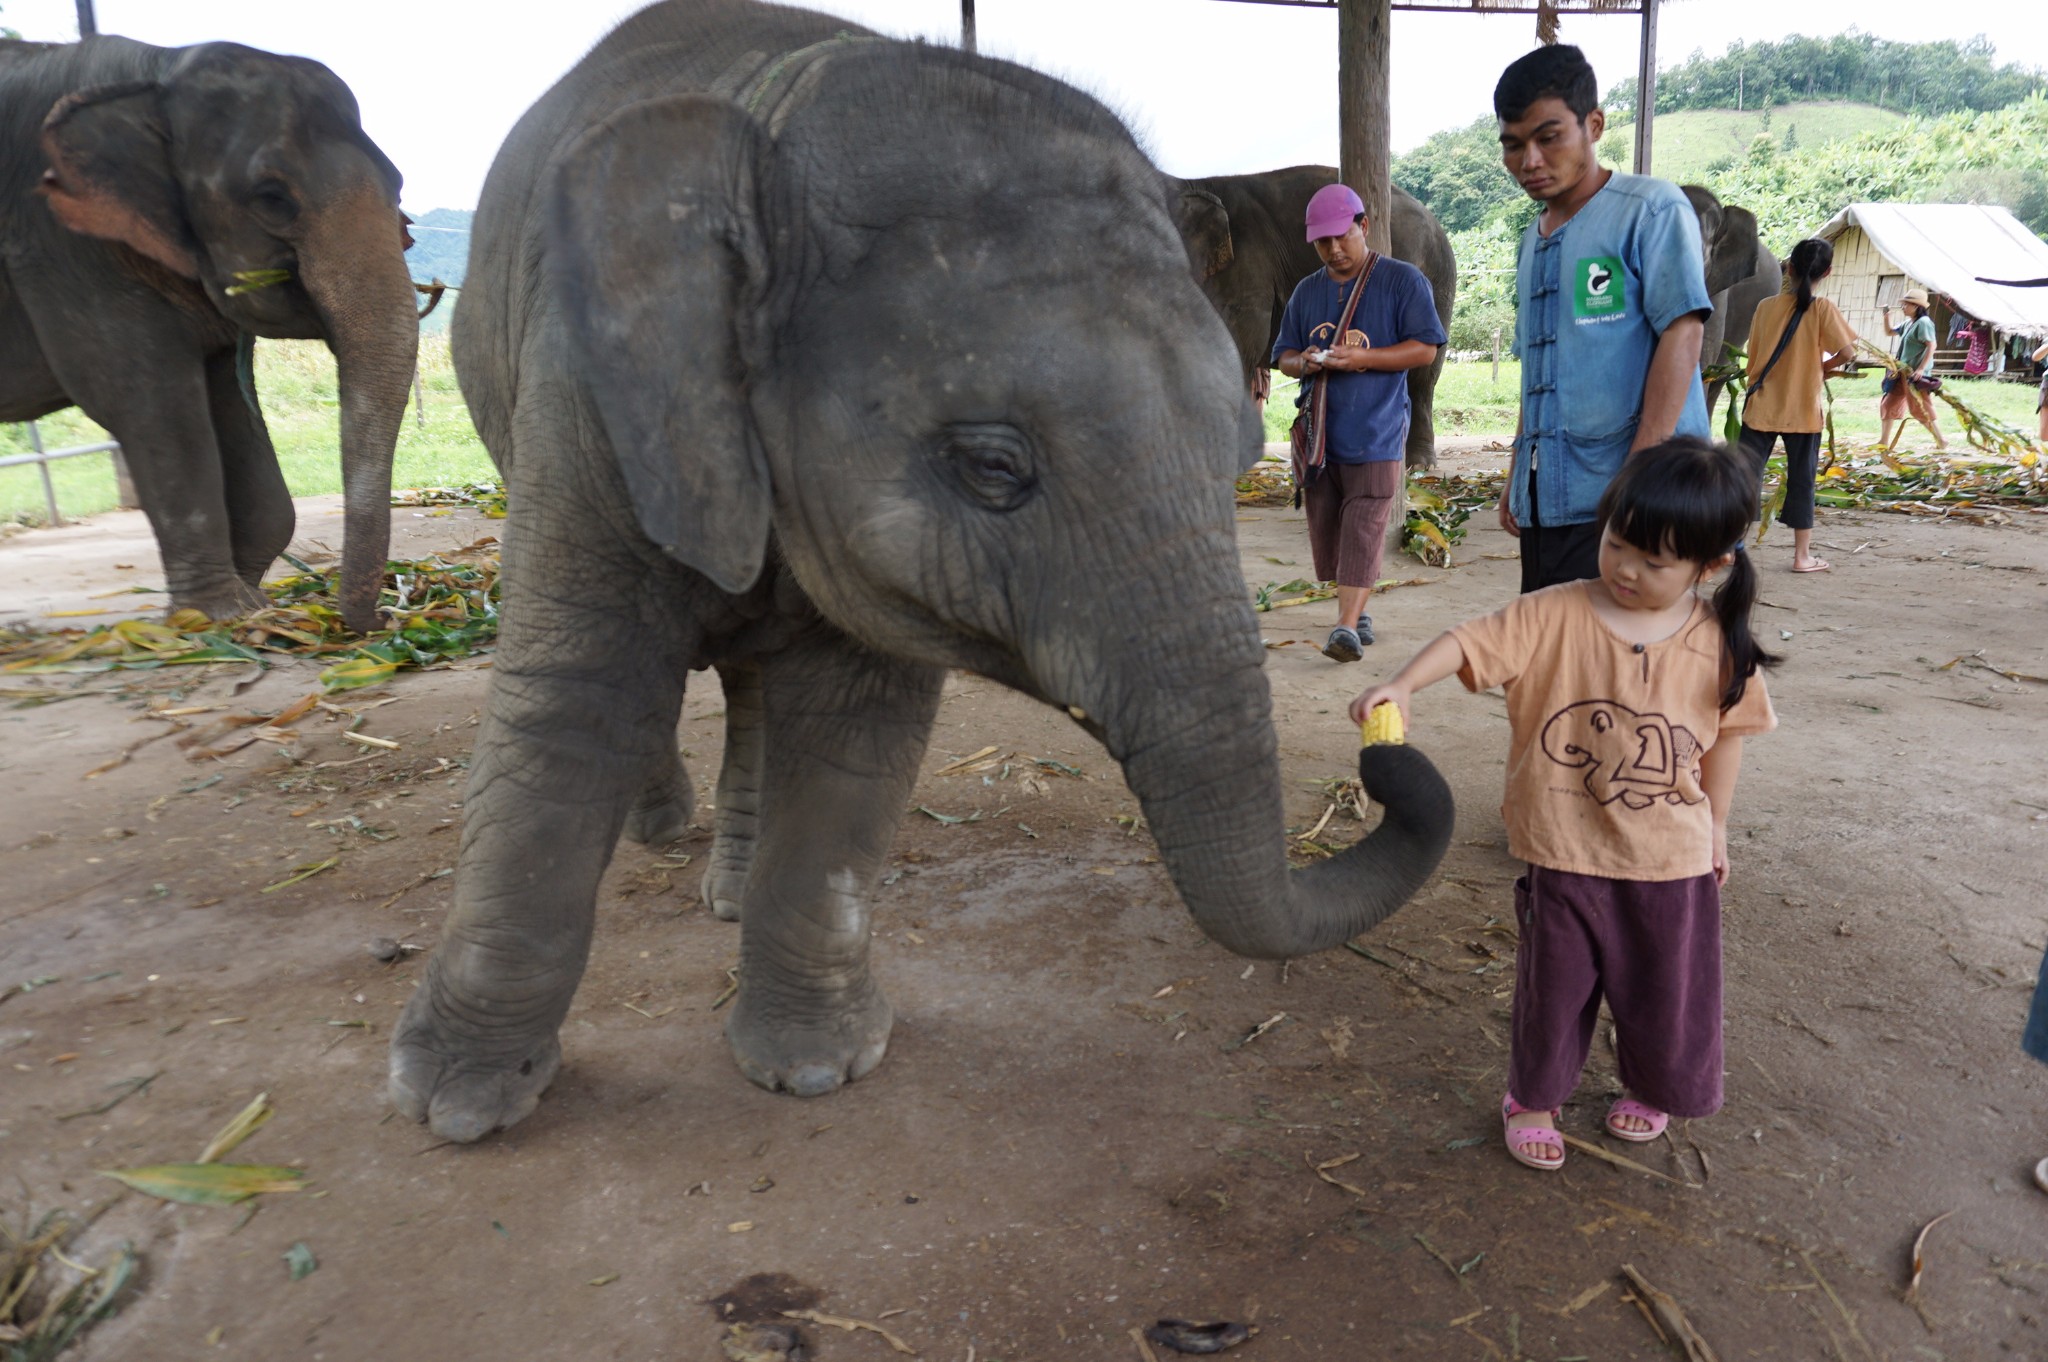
x=1593, y=298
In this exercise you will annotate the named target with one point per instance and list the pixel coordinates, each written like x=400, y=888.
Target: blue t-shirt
x=1592, y=299
x=1368, y=412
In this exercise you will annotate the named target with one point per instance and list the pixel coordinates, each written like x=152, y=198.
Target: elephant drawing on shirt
x=1635, y=758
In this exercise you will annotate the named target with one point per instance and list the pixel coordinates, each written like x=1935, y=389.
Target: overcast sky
x=1212, y=87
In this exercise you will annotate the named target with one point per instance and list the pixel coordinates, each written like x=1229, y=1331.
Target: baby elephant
x=834, y=362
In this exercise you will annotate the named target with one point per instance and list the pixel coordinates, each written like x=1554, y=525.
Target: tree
x=1458, y=174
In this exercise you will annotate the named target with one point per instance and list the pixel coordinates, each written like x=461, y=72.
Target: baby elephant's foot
x=725, y=883
x=809, y=1054
x=662, y=812
x=461, y=1082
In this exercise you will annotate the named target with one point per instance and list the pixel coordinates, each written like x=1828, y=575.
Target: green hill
x=1692, y=144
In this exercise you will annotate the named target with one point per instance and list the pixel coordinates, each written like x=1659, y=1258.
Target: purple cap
x=1331, y=211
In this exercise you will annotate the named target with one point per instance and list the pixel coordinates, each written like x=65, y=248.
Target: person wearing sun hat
x=1903, y=396
x=1363, y=374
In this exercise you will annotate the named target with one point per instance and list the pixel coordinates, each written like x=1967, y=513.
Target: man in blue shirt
x=1611, y=302
x=1394, y=329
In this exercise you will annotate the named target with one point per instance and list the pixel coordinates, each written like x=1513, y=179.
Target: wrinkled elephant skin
x=1741, y=272
x=835, y=362
x=1245, y=242
x=141, y=190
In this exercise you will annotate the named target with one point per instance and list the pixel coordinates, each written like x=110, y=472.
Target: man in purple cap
x=1393, y=329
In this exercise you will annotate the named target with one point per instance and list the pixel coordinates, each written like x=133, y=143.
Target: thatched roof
x=1951, y=247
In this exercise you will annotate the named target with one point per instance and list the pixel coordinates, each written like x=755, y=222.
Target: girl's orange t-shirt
x=1604, y=736
x=1790, y=398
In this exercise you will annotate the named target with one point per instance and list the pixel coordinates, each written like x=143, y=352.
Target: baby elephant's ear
x=109, y=173
x=655, y=257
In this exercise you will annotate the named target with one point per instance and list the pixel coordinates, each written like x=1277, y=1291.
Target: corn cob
x=1383, y=725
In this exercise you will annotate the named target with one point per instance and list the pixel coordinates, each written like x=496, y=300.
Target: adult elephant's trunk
x=1208, y=775
x=352, y=264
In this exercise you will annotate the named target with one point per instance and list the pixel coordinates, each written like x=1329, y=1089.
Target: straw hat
x=1916, y=296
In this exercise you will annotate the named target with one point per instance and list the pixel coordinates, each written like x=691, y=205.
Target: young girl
x=1796, y=342
x=1628, y=698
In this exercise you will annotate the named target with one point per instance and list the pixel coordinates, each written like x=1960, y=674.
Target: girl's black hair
x=1695, y=500
x=1811, y=259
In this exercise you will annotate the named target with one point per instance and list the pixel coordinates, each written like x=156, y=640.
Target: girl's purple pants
x=1652, y=949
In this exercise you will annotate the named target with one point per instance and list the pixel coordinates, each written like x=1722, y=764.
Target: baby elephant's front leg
x=843, y=733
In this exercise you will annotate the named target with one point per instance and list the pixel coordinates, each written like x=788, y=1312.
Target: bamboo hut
x=1883, y=249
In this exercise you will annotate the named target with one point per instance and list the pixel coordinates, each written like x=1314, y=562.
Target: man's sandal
x=1524, y=1140
x=1628, y=1106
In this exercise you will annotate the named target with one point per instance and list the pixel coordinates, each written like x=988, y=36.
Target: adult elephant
x=1741, y=272
x=160, y=208
x=834, y=362
x=1244, y=240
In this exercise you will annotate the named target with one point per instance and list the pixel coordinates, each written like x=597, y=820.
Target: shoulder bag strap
x=1771, y=363
x=1322, y=380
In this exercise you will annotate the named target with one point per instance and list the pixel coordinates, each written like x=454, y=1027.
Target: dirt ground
x=1070, y=1136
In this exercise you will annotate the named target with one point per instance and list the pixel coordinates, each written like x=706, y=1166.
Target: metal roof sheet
x=1946, y=246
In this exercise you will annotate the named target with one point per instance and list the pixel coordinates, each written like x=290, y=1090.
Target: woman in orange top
x=1796, y=341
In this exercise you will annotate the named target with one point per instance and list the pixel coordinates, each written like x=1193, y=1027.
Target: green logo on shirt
x=1599, y=291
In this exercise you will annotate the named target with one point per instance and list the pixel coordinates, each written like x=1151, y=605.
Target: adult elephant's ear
x=1204, y=225
x=109, y=175
x=1731, y=258
x=655, y=256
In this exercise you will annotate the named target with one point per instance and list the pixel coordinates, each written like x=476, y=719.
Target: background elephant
x=834, y=362
x=1741, y=272
x=160, y=208
x=1244, y=240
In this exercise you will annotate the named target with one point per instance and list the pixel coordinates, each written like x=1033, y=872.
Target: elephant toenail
x=814, y=1080
x=525, y=1066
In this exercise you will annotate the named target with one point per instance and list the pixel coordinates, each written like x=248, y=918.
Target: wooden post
x=87, y=25
x=125, y=496
x=1646, y=87
x=1496, y=354
x=967, y=25
x=35, y=443
x=1364, y=46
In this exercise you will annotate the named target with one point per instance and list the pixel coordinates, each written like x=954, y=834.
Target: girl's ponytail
x=1810, y=261
x=1733, y=601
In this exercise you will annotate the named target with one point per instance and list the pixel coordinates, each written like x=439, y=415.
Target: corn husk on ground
x=440, y=608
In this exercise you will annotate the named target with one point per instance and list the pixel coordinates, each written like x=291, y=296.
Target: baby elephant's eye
x=993, y=464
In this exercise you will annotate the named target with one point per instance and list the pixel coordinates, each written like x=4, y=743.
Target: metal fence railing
x=42, y=458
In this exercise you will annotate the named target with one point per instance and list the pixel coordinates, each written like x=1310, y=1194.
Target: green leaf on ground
x=207, y=1184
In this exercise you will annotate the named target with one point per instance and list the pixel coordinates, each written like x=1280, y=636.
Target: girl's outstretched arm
x=1719, y=766
x=1440, y=659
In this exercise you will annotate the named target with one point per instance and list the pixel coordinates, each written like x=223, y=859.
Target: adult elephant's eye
x=273, y=203
x=991, y=463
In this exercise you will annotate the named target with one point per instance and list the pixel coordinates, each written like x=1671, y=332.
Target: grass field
x=1470, y=402
x=295, y=383
x=1687, y=143
x=295, y=380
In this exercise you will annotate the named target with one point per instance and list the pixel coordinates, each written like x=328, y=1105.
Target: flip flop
x=1817, y=565
x=1522, y=1139
x=1628, y=1106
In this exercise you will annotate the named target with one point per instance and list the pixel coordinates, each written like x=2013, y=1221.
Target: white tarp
x=1946, y=246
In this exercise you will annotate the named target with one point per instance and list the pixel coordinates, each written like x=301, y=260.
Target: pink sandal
x=1628, y=1106
x=1522, y=1140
